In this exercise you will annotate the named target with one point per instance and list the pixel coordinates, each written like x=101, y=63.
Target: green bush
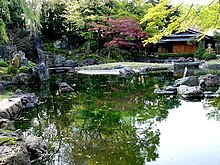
x=209, y=56
x=3, y=64
x=11, y=70
x=200, y=51
x=175, y=55
x=31, y=64
x=23, y=69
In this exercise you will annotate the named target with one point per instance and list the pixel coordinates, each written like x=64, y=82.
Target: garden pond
x=110, y=120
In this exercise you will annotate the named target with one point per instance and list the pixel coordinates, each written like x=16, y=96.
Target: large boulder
x=6, y=124
x=190, y=92
x=35, y=146
x=61, y=43
x=29, y=100
x=14, y=155
x=12, y=149
x=189, y=81
x=209, y=80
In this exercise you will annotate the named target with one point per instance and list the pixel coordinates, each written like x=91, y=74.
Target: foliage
x=52, y=20
x=123, y=32
x=23, y=69
x=160, y=20
x=49, y=47
x=200, y=50
x=131, y=9
x=8, y=140
x=217, y=40
x=12, y=70
x=3, y=64
x=31, y=64
x=190, y=16
x=209, y=54
x=16, y=14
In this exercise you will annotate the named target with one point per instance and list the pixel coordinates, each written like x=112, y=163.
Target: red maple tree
x=123, y=32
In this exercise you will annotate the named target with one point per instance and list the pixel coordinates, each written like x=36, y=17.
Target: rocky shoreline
x=14, y=148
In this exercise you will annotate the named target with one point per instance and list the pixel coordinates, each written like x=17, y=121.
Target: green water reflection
x=108, y=120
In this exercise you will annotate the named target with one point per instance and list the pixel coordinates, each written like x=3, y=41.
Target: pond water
x=110, y=120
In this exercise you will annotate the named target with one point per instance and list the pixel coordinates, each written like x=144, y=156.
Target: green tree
x=202, y=17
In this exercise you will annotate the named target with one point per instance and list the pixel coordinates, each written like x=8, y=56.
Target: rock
x=189, y=92
x=72, y=72
x=6, y=124
x=16, y=61
x=181, y=59
x=143, y=70
x=34, y=76
x=41, y=55
x=118, y=67
x=10, y=108
x=70, y=63
x=168, y=90
x=62, y=43
x=29, y=100
x=190, y=59
x=64, y=88
x=90, y=61
x=210, y=94
x=20, y=78
x=210, y=66
x=35, y=146
x=210, y=80
x=2, y=87
x=14, y=155
x=182, y=65
x=127, y=71
x=189, y=81
x=43, y=72
x=59, y=60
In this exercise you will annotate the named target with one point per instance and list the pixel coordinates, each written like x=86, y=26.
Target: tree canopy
x=18, y=13
x=199, y=17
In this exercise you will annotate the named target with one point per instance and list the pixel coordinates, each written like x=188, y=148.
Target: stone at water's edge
x=14, y=150
x=10, y=108
x=210, y=80
x=189, y=81
x=190, y=92
x=168, y=90
x=35, y=146
x=14, y=155
x=6, y=124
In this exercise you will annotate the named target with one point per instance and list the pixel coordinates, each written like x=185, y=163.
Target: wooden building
x=182, y=42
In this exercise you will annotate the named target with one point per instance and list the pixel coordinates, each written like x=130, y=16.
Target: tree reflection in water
x=109, y=120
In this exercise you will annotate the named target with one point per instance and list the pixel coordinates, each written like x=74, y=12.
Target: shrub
x=31, y=64
x=3, y=64
x=200, y=51
x=209, y=54
x=23, y=69
x=11, y=70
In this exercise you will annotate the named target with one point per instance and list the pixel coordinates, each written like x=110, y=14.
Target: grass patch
x=213, y=62
x=8, y=140
x=6, y=95
x=134, y=65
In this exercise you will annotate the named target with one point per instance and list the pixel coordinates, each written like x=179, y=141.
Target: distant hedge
x=177, y=55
